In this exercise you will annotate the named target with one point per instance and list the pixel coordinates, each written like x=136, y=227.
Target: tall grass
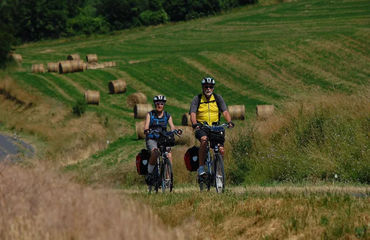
x=283, y=215
x=323, y=138
x=39, y=204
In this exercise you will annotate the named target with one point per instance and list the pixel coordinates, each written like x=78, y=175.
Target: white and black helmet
x=159, y=98
x=208, y=80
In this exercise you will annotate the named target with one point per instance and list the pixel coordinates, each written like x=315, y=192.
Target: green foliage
x=38, y=19
x=84, y=24
x=6, y=40
x=149, y=17
x=79, y=108
x=120, y=14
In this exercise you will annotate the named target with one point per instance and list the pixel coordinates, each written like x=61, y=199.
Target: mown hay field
x=265, y=54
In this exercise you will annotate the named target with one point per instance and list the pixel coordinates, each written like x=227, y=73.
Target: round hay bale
x=109, y=64
x=73, y=57
x=38, y=68
x=65, y=67
x=139, y=126
x=77, y=65
x=91, y=58
x=16, y=57
x=53, y=67
x=117, y=86
x=237, y=112
x=92, y=97
x=136, y=98
x=264, y=111
x=95, y=65
x=187, y=137
x=84, y=66
x=140, y=110
x=185, y=121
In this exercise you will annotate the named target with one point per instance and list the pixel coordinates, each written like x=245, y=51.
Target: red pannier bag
x=191, y=159
x=142, y=160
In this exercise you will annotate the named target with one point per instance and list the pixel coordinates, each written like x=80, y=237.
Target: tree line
x=32, y=20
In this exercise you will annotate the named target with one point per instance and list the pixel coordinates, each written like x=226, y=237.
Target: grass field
x=270, y=53
x=262, y=54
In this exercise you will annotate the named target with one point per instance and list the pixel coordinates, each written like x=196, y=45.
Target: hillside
x=264, y=54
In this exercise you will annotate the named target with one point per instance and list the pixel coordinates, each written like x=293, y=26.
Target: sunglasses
x=159, y=103
x=208, y=86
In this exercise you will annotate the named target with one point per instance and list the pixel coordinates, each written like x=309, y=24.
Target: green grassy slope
x=260, y=54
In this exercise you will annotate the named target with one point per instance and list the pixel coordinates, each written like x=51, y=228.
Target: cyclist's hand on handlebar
x=146, y=131
x=196, y=126
x=230, y=124
x=179, y=131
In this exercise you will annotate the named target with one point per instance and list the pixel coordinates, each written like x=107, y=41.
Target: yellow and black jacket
x=208, y=110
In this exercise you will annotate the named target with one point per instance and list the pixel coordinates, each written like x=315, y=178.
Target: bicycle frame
x=213, y=162
x=163, y=168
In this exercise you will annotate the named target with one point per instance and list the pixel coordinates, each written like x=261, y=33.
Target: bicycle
x=215, y=173
x=163, y=175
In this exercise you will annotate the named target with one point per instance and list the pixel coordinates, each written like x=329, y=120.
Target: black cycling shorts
x=200, y=133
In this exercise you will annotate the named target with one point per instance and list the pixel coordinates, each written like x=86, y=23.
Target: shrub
x=6, y=40
x=149, y=17
x=83, y=24
x=79, y=108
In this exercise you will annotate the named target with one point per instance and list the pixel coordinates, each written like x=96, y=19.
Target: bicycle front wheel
x=219, y=173
x=167, y=176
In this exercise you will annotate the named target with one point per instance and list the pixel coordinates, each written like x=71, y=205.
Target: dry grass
x=280, y=216
x=38, y=204
x=69, y=138
x=355, y=106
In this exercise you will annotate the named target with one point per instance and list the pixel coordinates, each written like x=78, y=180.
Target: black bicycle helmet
x=208, y=80
x=159, y=98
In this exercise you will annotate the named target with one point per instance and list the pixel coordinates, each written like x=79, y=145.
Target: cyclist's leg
x=203, y=138
x=169, y=156
x=154, y=153
x=152, y=146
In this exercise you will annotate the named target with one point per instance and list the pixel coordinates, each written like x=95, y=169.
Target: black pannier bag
x=191, y=159
x=142, y=161
x=167, y=139
x=217, y=136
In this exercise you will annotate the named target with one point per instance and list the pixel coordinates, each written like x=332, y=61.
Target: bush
x=6, y=40
x=79, y=108
x=83, y=24
x=153, y=18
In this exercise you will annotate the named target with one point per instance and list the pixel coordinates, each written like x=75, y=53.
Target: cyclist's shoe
x=150, y=179
x=202, y=177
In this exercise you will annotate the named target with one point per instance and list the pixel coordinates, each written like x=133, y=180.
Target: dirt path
x=356, y=191
x=13, y=149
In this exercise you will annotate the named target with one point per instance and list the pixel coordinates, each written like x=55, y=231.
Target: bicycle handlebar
x=224, y=125
x=177, y=132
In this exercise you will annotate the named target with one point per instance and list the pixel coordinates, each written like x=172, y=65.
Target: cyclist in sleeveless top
x=206, y=107
x=156, y=120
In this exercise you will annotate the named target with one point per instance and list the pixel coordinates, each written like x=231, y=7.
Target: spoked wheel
x=219, y=174
x=167, y=177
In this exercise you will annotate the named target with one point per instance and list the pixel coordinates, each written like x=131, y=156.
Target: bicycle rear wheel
x=219, y=173
x=167, y=176
x=155, y=184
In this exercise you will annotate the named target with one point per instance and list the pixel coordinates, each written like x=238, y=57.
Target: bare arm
x=147, y=122
x=193, y=118
x=170, y=121
x=227, y=116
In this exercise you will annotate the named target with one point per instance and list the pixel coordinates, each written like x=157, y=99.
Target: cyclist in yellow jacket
x=207, y=108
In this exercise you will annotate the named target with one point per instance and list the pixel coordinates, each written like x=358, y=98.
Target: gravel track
x=13, y=149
